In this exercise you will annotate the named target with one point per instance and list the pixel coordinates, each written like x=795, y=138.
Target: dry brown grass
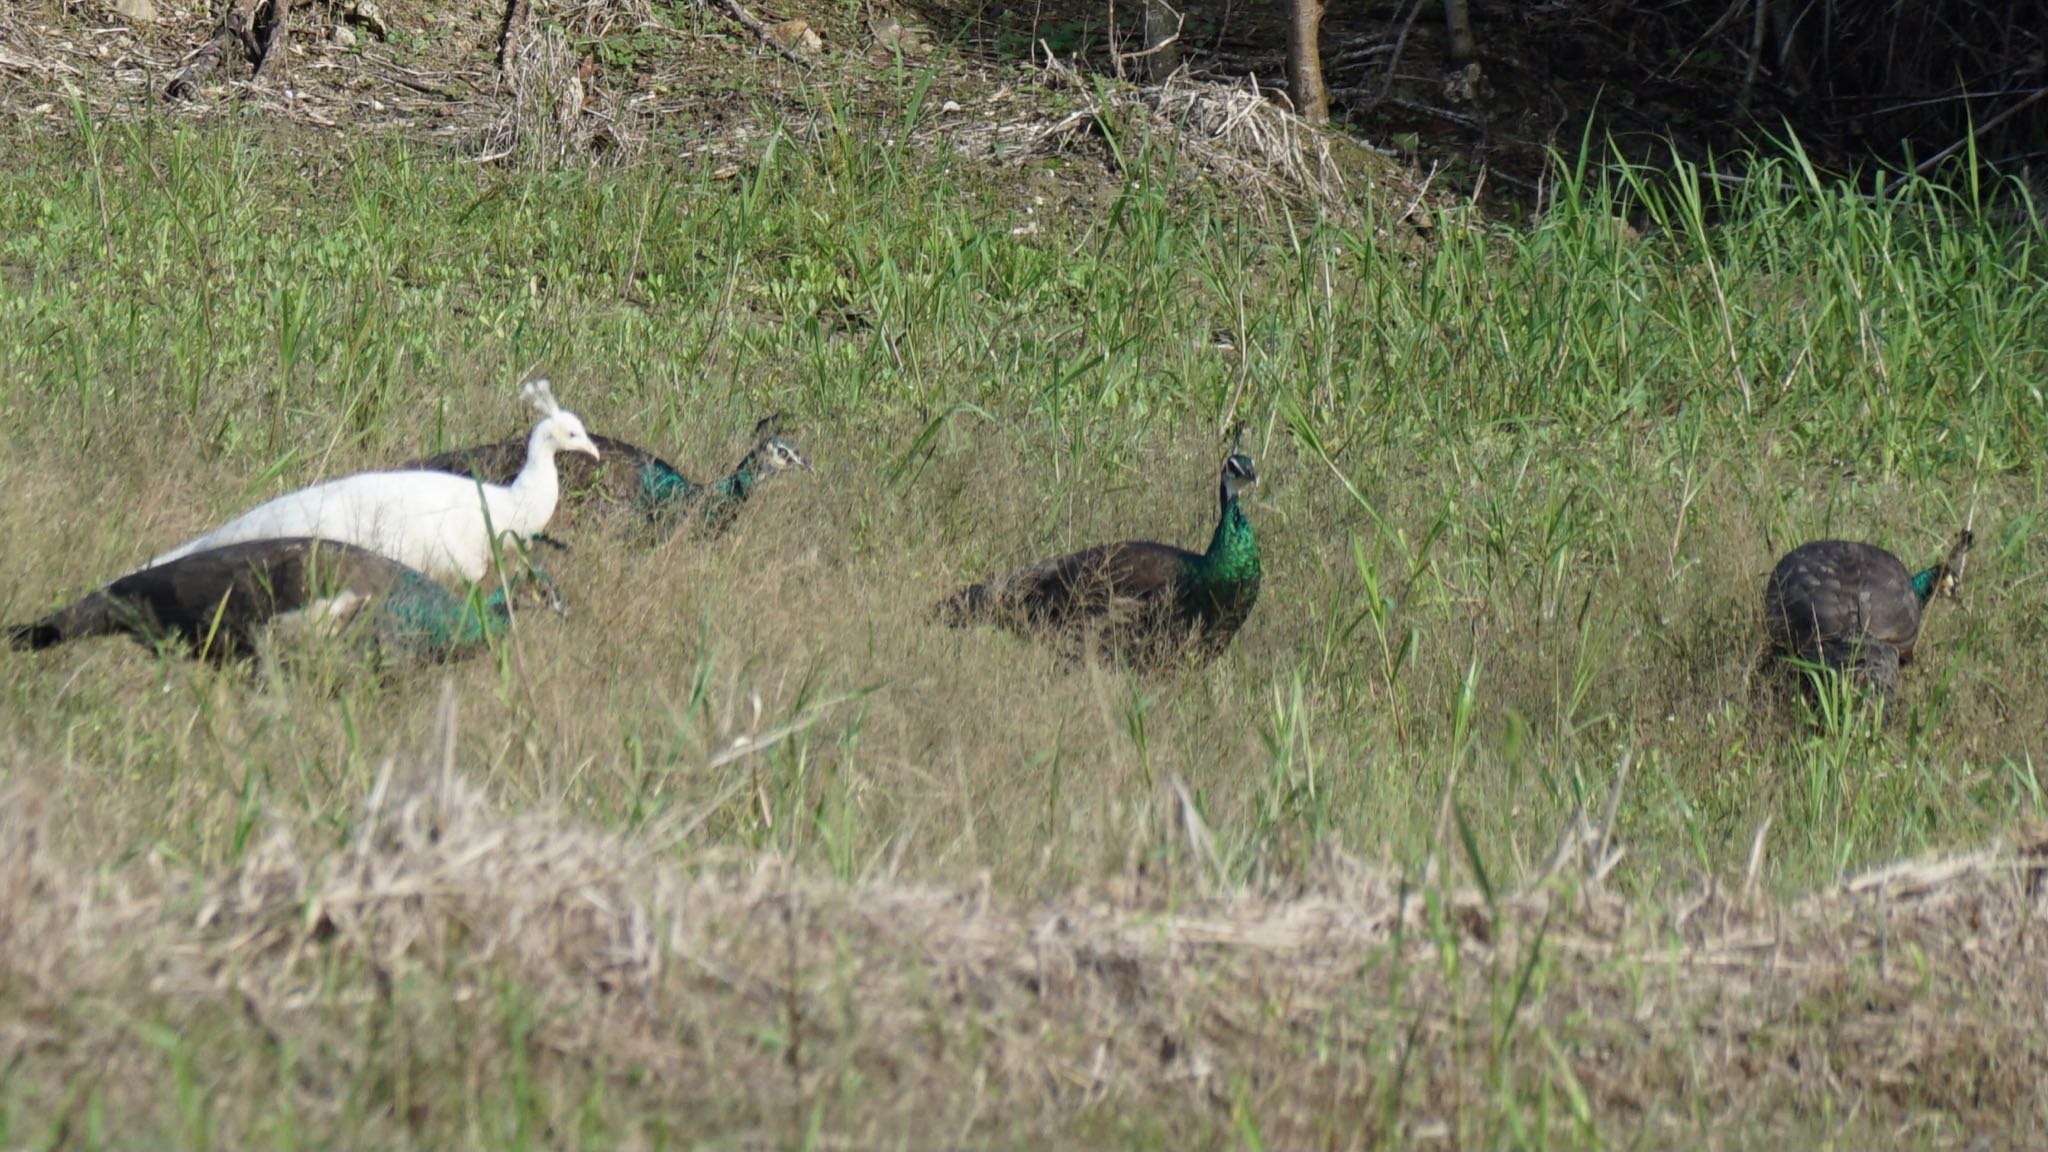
x=1247, y=143
x=738, y=993
x=561, y=107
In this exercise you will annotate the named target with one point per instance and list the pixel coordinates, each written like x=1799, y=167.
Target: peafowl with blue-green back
x=627, y=481
x=218, y=602
x=1149, y=603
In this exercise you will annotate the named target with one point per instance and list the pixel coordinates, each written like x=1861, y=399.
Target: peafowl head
x=1946, y=576
x=559, y=429
x=1238, y=475
x=539, y=590
x=534, y=588
x=772, y=453
x=778, y=455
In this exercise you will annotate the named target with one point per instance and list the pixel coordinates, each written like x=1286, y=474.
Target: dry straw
x=1130, y=987
x=559, y=108
x=1247, y=142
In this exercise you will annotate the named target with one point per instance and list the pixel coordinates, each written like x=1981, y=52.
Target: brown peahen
x=1150, y=603
x=217, y=602
x=1854, y=607
x=627, y=479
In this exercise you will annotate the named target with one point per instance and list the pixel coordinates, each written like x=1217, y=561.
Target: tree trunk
x=1305, y=61
x=1458, y=24
x=1162, y=40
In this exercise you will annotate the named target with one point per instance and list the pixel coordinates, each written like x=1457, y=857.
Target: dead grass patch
x=559, y=108
x=1359, y=1001
x=1248, y=144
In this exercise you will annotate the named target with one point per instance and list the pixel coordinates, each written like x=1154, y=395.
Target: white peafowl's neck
x=537, y=487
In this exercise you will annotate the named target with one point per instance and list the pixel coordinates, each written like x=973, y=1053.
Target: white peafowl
x=445, y=526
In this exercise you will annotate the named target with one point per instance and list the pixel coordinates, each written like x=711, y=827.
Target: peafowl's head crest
x=559, y=430
x=772, y=453
x=541, y=394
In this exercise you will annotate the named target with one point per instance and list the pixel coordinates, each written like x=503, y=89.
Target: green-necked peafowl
x=1854, y=607
x=1151, y=603
x=630, y=479
x=219, y=601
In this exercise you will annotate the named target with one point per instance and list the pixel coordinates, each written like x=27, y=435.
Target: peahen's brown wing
x=491, y=463
x=1829, y=593
x=1091, y=584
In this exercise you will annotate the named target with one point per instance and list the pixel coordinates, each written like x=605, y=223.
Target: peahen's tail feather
x=52, y=630
x=95, y=615
x=34, y=637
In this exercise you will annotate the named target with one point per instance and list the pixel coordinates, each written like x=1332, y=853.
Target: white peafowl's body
x=446, y=526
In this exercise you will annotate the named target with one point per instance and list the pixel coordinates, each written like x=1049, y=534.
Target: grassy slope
x=1521, y=489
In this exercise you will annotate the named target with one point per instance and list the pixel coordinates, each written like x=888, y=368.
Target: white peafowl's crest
x=539, y=393
x=559, y=429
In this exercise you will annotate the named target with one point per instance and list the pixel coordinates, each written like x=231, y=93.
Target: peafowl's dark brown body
x=216, y=603
x=628, y=481
x=1854, y=607
x=1149, y=603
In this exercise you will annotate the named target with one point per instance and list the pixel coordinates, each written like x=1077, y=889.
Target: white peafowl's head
x=559, y=429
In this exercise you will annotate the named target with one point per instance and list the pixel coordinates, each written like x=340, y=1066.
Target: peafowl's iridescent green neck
x=728, y=494
x=724, y=498
x=1233, y=555
x=664, y=492
x=1926, y=581
x=1219, y=587
x=422, y=618
x=662, y=487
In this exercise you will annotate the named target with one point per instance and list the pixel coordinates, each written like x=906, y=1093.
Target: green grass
x=1521, y=488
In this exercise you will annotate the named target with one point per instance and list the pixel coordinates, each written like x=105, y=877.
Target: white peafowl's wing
x=440, y=524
